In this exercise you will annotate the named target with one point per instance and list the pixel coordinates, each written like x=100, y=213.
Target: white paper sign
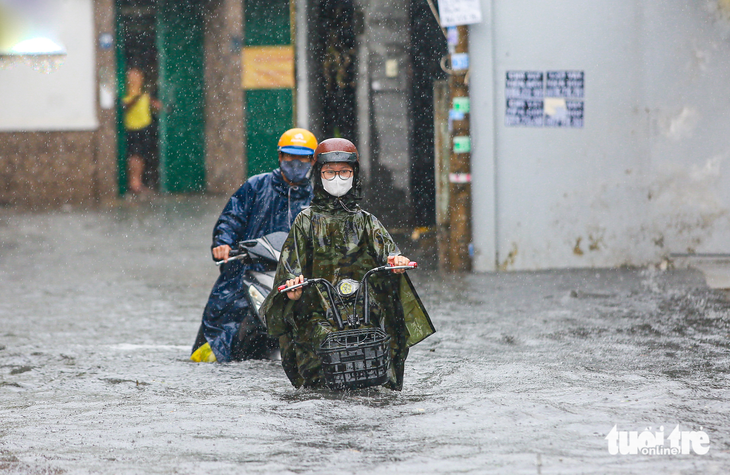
x=459, y=12
x=107, y=97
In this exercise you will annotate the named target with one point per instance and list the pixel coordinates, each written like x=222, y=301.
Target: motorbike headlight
x=256, y=297
x=347, y=287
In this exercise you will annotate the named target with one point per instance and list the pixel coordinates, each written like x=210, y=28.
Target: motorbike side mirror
x=244, y=245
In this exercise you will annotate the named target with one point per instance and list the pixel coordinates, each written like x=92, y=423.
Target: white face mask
x=337, y=187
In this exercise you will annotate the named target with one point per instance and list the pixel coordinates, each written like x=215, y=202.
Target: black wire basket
x=353, y=359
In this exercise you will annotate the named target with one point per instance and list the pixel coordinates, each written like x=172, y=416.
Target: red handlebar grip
x=410, y=264
x=281, y=287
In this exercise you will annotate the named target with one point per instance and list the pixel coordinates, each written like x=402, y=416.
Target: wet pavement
x=528, y=372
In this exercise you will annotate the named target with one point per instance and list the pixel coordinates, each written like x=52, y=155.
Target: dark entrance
x=137, y=48
x=164, y=38
x=336, y=48
x=428, y=46
x=335, y=25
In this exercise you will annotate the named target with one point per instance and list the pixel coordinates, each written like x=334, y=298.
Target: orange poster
x=268, y=67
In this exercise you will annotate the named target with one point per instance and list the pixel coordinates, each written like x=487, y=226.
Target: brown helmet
x=336, y=150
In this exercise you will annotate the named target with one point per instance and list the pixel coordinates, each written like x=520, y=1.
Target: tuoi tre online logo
x=647, y=442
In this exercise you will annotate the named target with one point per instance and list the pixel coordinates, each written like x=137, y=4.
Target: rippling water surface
x=527, y=374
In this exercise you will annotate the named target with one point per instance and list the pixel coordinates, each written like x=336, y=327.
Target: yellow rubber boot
x=204, y=354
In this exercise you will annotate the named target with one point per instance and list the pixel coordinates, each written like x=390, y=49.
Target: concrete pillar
x=106, y=184
x=301, y=44
x=224, y=128
x=483, y=138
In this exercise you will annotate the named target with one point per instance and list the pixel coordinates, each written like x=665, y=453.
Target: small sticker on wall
x=106, y=41
x=456, y=115
x=459, y=177
x=452, y=36
x=459, y=61
x=462, y=144
x=461, y=104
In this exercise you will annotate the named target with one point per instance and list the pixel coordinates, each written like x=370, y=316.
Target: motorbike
x=357, y=354
x=262, y=256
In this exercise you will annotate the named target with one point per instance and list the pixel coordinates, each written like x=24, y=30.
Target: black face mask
x=296, y=171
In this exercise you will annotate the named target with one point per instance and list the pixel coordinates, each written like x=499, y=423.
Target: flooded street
x=527, y=373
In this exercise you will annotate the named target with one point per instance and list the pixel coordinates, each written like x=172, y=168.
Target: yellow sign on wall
x=268, y=67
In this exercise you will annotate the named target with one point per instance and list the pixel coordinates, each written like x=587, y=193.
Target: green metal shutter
x=180, y=38
x=268, y=112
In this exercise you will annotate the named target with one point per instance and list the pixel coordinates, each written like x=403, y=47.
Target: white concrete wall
x=645, y=177
x=36, y=95
x=687, y=95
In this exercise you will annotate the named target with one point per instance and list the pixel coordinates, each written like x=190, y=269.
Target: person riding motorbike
x=336, y=240
x=266, y=203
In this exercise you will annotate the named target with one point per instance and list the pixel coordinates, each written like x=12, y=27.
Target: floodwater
x=527, y=374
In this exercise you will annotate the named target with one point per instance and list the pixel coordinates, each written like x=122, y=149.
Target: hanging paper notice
x=459, y=12
x=565, y=84
x=563, y=112
x=544, y=98
x=524, y=85
x=524, y=112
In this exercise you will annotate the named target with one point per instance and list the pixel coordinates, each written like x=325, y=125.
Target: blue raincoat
x=263, y=205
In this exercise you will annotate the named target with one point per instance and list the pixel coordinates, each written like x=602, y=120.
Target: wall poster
x=544, y=99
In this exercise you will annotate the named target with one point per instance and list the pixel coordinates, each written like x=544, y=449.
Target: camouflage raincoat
x=335, y=239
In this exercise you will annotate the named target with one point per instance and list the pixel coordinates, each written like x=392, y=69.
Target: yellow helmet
x=297, y=142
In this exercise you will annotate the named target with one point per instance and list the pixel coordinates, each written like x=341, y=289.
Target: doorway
x=354, y=42
x=336, y=46
x=428, y=46
x=164, y=39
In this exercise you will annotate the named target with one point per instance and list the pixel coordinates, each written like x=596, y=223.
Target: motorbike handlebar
x=284, y=288
x=410, y=265
x=233, y=255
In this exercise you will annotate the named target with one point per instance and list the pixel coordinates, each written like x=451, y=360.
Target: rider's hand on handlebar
x=398, y=261
x=295, y=294
x=220, y=253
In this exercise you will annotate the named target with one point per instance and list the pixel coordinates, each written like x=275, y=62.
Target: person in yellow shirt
x=138, y=107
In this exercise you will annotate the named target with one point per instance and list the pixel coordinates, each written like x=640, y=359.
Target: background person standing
x=138, y=123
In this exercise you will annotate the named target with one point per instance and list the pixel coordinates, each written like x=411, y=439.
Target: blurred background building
x=599, y=130
x=640, y=172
